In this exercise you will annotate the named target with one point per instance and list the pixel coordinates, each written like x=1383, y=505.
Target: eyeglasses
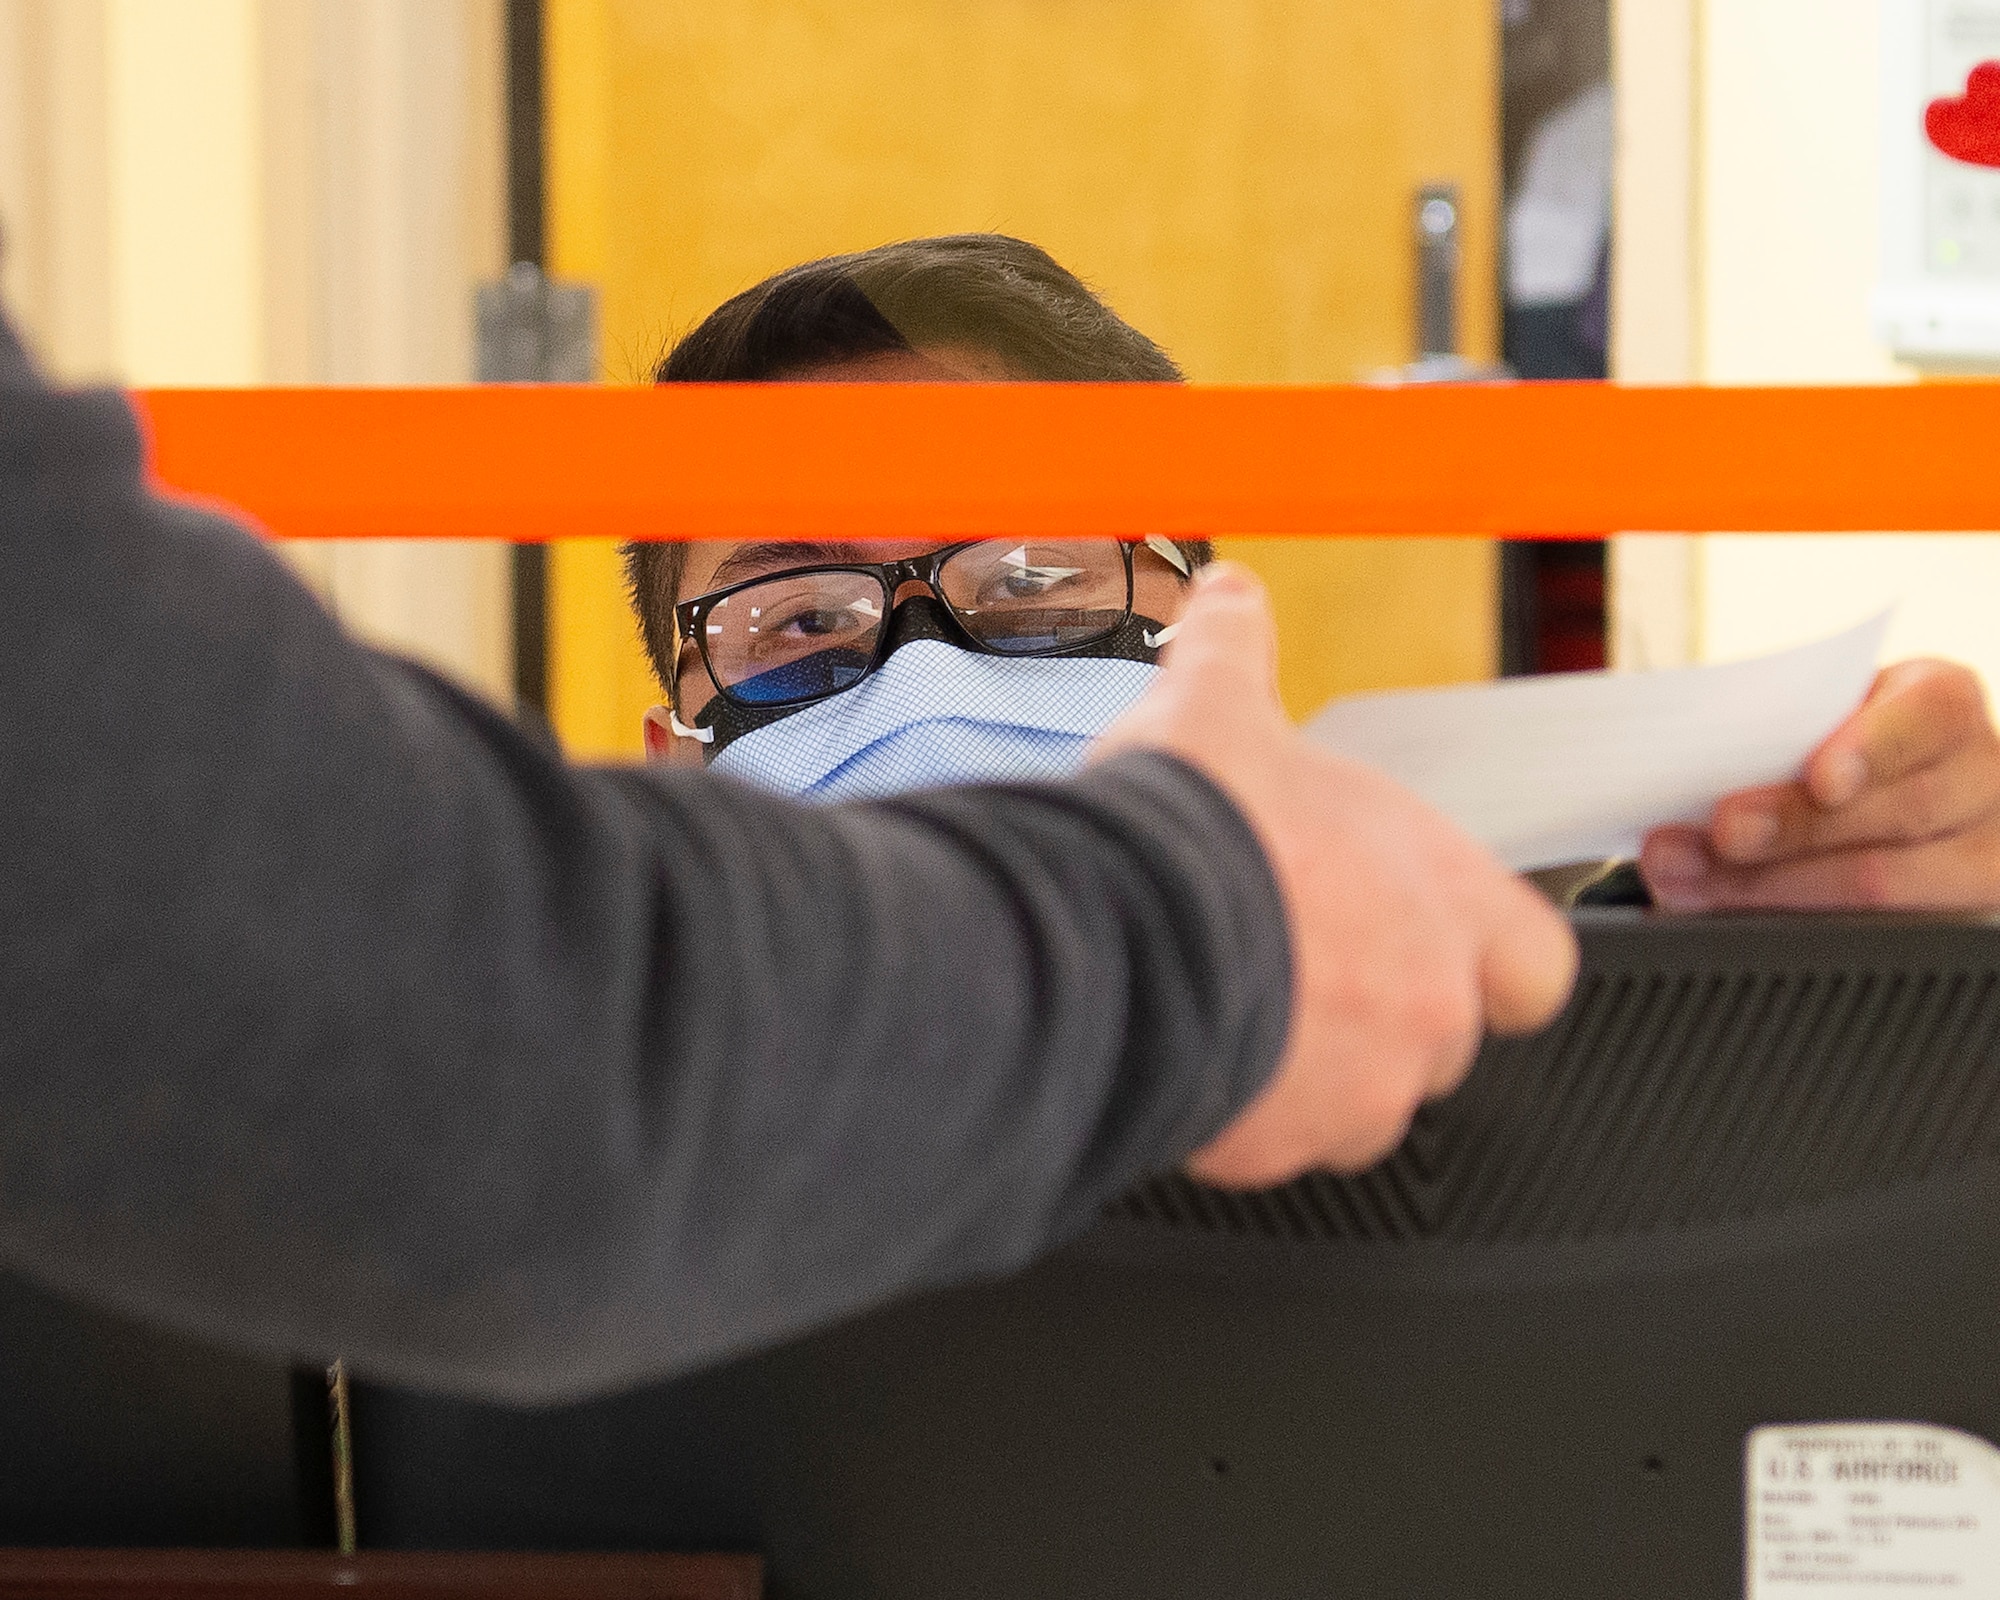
x=792, y=637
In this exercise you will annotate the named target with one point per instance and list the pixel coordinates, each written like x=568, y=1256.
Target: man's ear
x=662, y=745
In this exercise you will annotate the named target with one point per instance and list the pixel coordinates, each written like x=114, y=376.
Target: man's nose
x=908, y=589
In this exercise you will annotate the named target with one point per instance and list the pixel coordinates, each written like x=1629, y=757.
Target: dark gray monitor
x=1752, y=1175
x=114, y=1434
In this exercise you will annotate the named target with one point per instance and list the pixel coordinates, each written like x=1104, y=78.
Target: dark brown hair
x=978, y=291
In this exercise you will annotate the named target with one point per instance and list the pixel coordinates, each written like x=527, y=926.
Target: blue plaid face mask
x=935, y=714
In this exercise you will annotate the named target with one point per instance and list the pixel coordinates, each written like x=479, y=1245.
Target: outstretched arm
x=338, y=1014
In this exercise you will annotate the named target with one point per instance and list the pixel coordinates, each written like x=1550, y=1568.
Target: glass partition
x=1272, y=192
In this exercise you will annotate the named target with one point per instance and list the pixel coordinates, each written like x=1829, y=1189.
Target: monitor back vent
x=1665, y=1101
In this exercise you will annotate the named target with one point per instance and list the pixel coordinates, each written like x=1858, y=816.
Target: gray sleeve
x=337, y=1014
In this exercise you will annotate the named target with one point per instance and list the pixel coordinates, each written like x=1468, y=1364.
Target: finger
x=1227, y=625
x=1765, y=825
x=1676, y=861
x=1916, y=713
x=1529, y=958
x=1449, y=1063
x=1214, y=673
x=1956, y=873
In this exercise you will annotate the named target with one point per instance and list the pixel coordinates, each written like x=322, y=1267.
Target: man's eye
x=817, y=622
x=1012, y=585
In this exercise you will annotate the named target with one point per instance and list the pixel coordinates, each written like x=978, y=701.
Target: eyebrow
x=777, y=555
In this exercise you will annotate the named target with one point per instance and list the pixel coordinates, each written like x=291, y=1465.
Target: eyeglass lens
x=812, y=634
x=1023, y=598
x=796, y=638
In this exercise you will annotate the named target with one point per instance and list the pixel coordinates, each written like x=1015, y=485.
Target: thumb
x=1217, y=677
x=1227, y=640
x=1530, y=960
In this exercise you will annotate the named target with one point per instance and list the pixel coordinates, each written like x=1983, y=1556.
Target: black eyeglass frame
x=690, y=615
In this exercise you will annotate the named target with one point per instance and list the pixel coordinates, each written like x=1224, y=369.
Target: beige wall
x=183, y=164
x=246, y=191
x=1748, y=239
x=54, y=180
x=386, y=210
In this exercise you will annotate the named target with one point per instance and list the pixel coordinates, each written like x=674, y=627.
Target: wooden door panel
x=1235, y=176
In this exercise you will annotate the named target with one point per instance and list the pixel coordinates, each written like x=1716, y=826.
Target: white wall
x=1654, y=580
x=1790, y=179
x=1768, y=123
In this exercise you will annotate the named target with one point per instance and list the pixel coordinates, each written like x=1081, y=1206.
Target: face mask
x=936, y=714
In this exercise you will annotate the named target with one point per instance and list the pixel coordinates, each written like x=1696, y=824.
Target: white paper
x=1579, y=766
x=1860, y=1510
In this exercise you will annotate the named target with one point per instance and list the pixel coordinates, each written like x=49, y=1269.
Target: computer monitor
x=1752, y=1176
x=113, y=1434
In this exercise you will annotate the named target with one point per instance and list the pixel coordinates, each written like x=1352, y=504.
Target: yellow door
x=1235, y=176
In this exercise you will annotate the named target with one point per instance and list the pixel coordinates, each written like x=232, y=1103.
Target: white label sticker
x=1852, y=1509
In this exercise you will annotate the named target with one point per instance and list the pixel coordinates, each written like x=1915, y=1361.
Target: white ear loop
x=681, y=729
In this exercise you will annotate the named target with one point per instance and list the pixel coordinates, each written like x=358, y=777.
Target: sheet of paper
x=1578, y=766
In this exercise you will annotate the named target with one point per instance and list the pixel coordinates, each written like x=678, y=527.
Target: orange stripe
x=1525, y=460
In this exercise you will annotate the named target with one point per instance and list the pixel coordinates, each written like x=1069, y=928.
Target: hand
x=1900, y=807
x=1408, y=940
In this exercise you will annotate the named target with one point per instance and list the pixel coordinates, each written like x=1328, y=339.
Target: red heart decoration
x=1966, y=127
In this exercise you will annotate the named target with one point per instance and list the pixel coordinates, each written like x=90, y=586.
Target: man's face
x=1158, y=590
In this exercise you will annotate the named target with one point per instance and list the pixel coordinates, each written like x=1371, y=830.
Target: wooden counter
x=384, y=1575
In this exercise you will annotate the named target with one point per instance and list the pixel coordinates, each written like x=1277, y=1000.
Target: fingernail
x=1673, y=861
x=1746, y=835
x=1841, y=775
